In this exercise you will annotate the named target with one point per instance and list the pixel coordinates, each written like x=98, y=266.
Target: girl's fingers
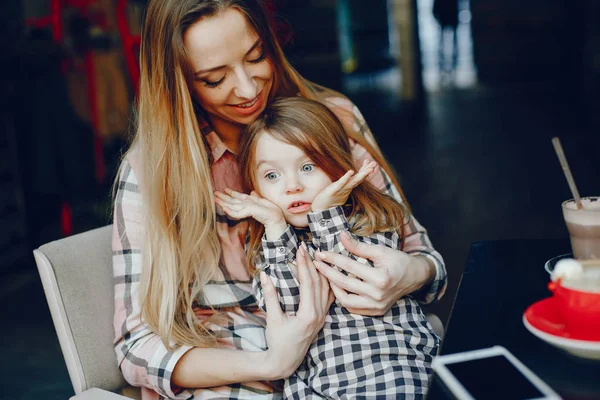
x=222, y=196
x=236, y=195
x=226, y=198
x=339, y=185
x=362, y=174
x=346, y=177
x=232, y=213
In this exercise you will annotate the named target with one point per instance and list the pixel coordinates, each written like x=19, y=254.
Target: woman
x=186, y=322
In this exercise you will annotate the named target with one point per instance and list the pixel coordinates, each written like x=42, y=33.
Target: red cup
x=580, y=311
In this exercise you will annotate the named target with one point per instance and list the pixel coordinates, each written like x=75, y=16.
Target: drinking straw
x=565, y=166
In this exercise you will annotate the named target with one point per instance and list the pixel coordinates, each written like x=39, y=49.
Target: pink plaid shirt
x=142, y=357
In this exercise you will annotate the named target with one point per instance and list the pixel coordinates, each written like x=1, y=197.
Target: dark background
x=472, y=147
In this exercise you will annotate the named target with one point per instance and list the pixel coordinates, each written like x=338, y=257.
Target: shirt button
x=324, y=222
x=281, y=249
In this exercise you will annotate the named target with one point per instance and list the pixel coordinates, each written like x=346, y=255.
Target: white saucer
x=579, y=348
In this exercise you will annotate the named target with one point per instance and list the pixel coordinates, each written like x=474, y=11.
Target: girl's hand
x=289, y=336
x=239, y=205
x=368, y=290
x=336, y=194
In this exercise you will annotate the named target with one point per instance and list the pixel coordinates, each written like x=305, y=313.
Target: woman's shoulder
x=333, y=99
x=130, y=164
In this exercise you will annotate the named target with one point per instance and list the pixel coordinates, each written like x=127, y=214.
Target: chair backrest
x=77, y=276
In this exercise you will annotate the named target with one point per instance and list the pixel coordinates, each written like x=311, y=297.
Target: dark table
x=501, y=280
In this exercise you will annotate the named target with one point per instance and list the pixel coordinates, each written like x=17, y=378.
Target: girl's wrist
x=320, y=208
x=275, y=230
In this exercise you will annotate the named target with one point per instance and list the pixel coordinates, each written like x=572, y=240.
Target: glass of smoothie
x=584, y=227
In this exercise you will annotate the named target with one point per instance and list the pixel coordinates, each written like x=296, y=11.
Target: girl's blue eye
x=271, y=175
x=308, y=167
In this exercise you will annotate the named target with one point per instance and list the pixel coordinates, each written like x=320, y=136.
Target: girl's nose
x=246, y=85
x=293, y=186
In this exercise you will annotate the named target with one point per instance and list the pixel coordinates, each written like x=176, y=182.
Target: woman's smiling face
x=232, y=75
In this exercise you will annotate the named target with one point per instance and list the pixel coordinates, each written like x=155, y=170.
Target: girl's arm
x=277, y=261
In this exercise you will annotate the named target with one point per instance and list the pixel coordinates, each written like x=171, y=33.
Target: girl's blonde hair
x=181, y=250
x=314, y=129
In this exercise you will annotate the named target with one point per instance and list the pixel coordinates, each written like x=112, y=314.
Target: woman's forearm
x=208, y=367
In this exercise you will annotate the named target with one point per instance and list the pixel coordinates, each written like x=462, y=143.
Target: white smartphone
x=490, y=374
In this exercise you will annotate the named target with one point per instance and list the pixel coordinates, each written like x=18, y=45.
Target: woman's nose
x=246, y=85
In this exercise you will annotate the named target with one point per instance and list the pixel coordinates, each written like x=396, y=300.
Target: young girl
x=296, y=160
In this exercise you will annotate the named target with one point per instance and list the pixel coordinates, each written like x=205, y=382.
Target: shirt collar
x=217, y=147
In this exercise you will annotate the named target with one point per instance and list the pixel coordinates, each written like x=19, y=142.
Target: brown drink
x=584, y=227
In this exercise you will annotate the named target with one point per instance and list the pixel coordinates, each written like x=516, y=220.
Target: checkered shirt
x=353, y=356
x=143, y=359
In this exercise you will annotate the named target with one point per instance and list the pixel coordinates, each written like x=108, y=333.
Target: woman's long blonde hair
x=314, y=129
x=181, y=251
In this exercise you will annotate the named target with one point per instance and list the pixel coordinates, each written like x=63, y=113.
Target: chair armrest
x=98, y=394
x=436, y=324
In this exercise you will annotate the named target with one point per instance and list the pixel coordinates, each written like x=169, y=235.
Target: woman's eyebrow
x=204, y=71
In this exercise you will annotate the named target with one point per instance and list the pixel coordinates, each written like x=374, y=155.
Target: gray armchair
x=76, y=274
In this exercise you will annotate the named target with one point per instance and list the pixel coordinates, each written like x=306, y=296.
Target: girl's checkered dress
x=353, y=356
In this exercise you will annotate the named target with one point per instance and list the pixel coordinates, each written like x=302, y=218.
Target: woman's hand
x=289, y=336
x=336, y=194
x=372, y=291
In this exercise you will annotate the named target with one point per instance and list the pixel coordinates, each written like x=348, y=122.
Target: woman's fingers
x=313, y=304
x=271, y=299
x=314, y=274
x=306, y=284
x=345, y=282
x=360, y=305
x=352, y=267
x=364, y=250
x=346, y=299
